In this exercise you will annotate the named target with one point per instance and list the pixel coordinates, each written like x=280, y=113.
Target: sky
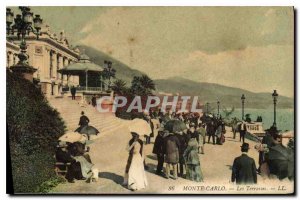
x=246, y=47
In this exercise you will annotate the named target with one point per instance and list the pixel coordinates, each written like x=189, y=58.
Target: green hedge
x=33, y=129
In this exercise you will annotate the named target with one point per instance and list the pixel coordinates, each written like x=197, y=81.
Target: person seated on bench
x=80, y=162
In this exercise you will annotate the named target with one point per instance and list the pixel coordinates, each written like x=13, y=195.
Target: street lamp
x=275, y=96
x=207, y=105
x=243, y=102
x=218, y=107
x=23, y=26
x=109, y=72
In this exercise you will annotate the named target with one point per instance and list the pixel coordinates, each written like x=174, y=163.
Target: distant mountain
x=207, y=92
x=123, y=71
x=228, y=96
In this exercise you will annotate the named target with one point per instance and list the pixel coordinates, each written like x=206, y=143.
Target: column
x=65, y=63
x=60, y=66
x=55, y=67
x=54, y=74
x=71, y=78
x=44, y=71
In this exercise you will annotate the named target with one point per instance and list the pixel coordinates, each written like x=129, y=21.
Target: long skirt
x=194, y=173
x=136, y=175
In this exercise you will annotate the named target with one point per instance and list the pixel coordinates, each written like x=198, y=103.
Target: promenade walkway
x=109, y=155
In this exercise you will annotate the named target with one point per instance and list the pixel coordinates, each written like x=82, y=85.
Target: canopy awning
x=82, y=66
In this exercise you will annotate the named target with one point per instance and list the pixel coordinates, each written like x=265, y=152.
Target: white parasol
x=72, y=137
x=140, y=126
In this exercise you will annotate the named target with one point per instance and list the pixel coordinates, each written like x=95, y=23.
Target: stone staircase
x=70, y=111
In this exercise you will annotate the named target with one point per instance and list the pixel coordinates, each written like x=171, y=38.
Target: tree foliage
x=33, y=128
x=142, y=85
x=119, y=87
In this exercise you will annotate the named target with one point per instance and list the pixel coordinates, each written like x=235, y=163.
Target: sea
x=284, y=117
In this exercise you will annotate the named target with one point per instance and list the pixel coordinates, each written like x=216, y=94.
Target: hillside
x=207, y=92
x=228, y=96
x=123, y=71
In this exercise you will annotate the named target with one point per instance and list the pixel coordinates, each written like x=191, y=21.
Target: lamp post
x=24, y=24
x=218, y=102
x=207, y=105
x=275, y=96
x=109, y=72
x=243, y=102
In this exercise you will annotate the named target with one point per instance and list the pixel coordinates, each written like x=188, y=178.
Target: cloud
x=247, y=47
x=258, y=69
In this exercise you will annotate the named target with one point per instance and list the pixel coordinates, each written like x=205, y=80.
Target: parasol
x=72, y=137
x=175, y=126
x=88, y=130
x=140, y=126
x=281, y=161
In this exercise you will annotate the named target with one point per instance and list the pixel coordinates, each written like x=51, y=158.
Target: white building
x=47, y=54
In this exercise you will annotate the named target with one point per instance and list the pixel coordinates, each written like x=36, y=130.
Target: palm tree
x=142, y=85
x=119, y=86
x=148, y=84
x=136, y=87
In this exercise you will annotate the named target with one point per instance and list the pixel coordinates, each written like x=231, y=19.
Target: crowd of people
x=179, y=150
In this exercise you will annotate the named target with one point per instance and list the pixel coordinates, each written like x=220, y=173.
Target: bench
x=61, y=168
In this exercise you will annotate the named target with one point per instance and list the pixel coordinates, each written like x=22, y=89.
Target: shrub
x=33, y=128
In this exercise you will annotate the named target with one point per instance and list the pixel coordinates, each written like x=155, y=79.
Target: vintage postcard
x=150, y=100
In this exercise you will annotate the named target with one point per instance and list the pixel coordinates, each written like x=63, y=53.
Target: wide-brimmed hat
x=245, y=146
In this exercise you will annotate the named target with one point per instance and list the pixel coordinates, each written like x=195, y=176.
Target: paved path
x=109, y=155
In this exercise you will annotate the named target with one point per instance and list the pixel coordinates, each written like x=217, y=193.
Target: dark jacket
x=210, y=129
x=83, y=121
x=158, y=147
x=244, y=170
x=183, y=143
x=94, y=101
x=76, y=149
x=63, y=156
x=268, y=140
x=172, y=146
x=245, y=128
x=187, y=138
x=73, y=90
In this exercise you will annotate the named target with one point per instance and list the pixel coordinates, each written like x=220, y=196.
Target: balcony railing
x=82, y=88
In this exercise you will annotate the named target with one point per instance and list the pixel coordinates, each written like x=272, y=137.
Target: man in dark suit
x=243, y=130
x=210, y=129
x=243, y=168
x=73, y=92
x=84, y=120
x=158, y=149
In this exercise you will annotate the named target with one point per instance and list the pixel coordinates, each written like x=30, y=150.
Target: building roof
x=83, y=65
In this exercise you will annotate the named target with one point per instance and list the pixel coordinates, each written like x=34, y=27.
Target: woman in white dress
x=135, y=177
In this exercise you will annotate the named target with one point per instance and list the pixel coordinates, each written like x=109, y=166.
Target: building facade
x=12, y=51
x=47, y=54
